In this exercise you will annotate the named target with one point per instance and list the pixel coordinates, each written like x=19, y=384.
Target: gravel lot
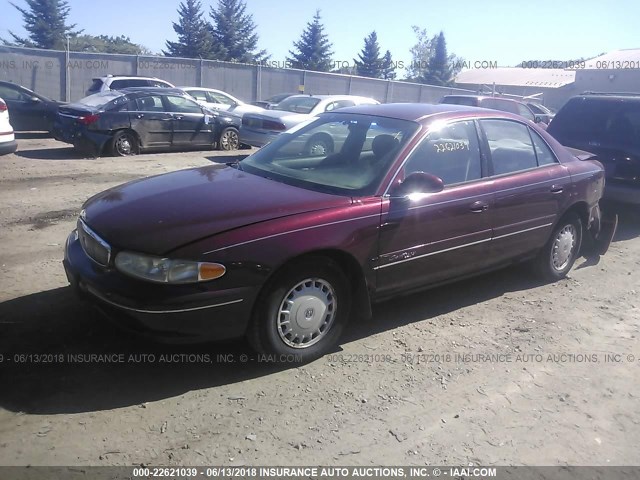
x=496, y=370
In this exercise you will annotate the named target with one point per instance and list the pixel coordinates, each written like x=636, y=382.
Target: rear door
x=151, y=122
x=530, y=185
x=191, y=127
x=438, y=236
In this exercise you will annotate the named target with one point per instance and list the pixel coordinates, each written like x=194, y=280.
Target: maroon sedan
x=285, y=246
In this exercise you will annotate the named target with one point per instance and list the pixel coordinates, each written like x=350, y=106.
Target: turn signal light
x=209, y=271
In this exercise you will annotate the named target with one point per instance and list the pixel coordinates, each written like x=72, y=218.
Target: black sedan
x=132, y=120
x=28, y=111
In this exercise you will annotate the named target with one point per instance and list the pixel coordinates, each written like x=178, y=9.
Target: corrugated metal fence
x=66, y=76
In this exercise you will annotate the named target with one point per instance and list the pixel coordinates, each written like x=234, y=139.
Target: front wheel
x=229, y=139
x=124, y=144
x=561, y=251
x=302, y=312
x=320, y=146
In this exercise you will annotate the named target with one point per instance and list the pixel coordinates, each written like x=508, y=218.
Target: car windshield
x=99, y=100
x=345, y=154
x=298, y=104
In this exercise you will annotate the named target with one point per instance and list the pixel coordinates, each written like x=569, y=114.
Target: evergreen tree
x=194, y=35
x=235, y=32
x=370, y=63
x=313, y=49
x=439, y=71
x=106, y=44
x=388, y=67
x=46, y=22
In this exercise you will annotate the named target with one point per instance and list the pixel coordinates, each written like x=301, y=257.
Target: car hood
x=159, y=214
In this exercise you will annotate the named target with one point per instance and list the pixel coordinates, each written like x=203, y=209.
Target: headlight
x=166, y=270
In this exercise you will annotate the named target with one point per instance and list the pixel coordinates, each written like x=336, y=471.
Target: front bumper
x=171, y=312
x=8, y=147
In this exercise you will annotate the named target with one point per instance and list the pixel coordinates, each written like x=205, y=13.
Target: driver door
x=434, y=237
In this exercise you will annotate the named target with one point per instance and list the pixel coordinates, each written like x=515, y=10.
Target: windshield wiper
x=234, y=164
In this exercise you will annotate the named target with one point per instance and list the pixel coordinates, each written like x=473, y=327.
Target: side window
x=217, y=98
x=152, y=103
x=525, y=112
x=182, y=105
x=339, y=104
x=451, y=153
x=9, y=93
x=543, y=152
x=198, y=95
x=510, y=146
x=118, y=84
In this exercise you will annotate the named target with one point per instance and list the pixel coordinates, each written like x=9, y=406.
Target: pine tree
x=235, y=32
x=439, y=71
x=46, y=22
x=313, y=49
x=194, y=35
x=370, y=63
x=388, y=67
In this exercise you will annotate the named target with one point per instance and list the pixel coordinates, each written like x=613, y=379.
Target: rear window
x=96, y=85
x=597, y=122
x=298, y=104
x=468, y=101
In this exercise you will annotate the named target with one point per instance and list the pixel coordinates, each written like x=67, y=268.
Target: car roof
x=613, y=95
x=121, y=77
x=329, y=97
x=417, y=112
x=482, y=97
x=152, y=90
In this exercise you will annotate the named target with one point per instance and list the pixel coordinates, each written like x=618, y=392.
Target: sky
x=502, y=31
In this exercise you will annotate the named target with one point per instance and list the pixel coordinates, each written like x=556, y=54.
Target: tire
x=124, y=144
x=561, y=251
x=229, y=139
x=303, y=311
x=320, y=146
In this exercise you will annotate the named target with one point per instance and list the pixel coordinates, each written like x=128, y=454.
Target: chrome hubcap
x=307, y=313
x=123, y=145
x=229, y=141
x=563, y=246
x=318, y=149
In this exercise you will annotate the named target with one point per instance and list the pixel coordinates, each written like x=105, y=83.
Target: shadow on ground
x=54, y=324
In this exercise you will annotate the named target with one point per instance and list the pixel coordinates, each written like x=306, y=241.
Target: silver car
x=258, y=129
x=219, y=100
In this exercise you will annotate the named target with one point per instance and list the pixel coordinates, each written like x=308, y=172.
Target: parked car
x=118, y=82
x=219, y=100
x=7, y=138
x=29, y=111
x=607, y=124
x=494, y=103
x=545, y=114
x=131, y=120
x=271, y=102
x=290, y=245
x=258, y=129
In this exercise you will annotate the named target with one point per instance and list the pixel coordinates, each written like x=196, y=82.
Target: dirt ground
x=498, y=370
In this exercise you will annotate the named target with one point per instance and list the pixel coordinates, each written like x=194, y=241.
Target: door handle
x=557, y=188
x=140, y=115
x=166, y=119
x=479, y=207
x=178, y=117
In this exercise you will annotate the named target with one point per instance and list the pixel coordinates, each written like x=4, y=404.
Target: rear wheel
x=229, y=139
x=320, y=146
x=559, y=254
x=303, y=311
x=124, y=144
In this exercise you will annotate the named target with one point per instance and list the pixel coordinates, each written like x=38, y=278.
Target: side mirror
x=418, y=182
x=34, y=100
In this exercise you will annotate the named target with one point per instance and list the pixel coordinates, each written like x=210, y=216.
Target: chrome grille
x=96, y=249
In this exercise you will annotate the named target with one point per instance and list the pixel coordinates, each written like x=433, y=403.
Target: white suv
x=7, y=138
x=117, y=82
